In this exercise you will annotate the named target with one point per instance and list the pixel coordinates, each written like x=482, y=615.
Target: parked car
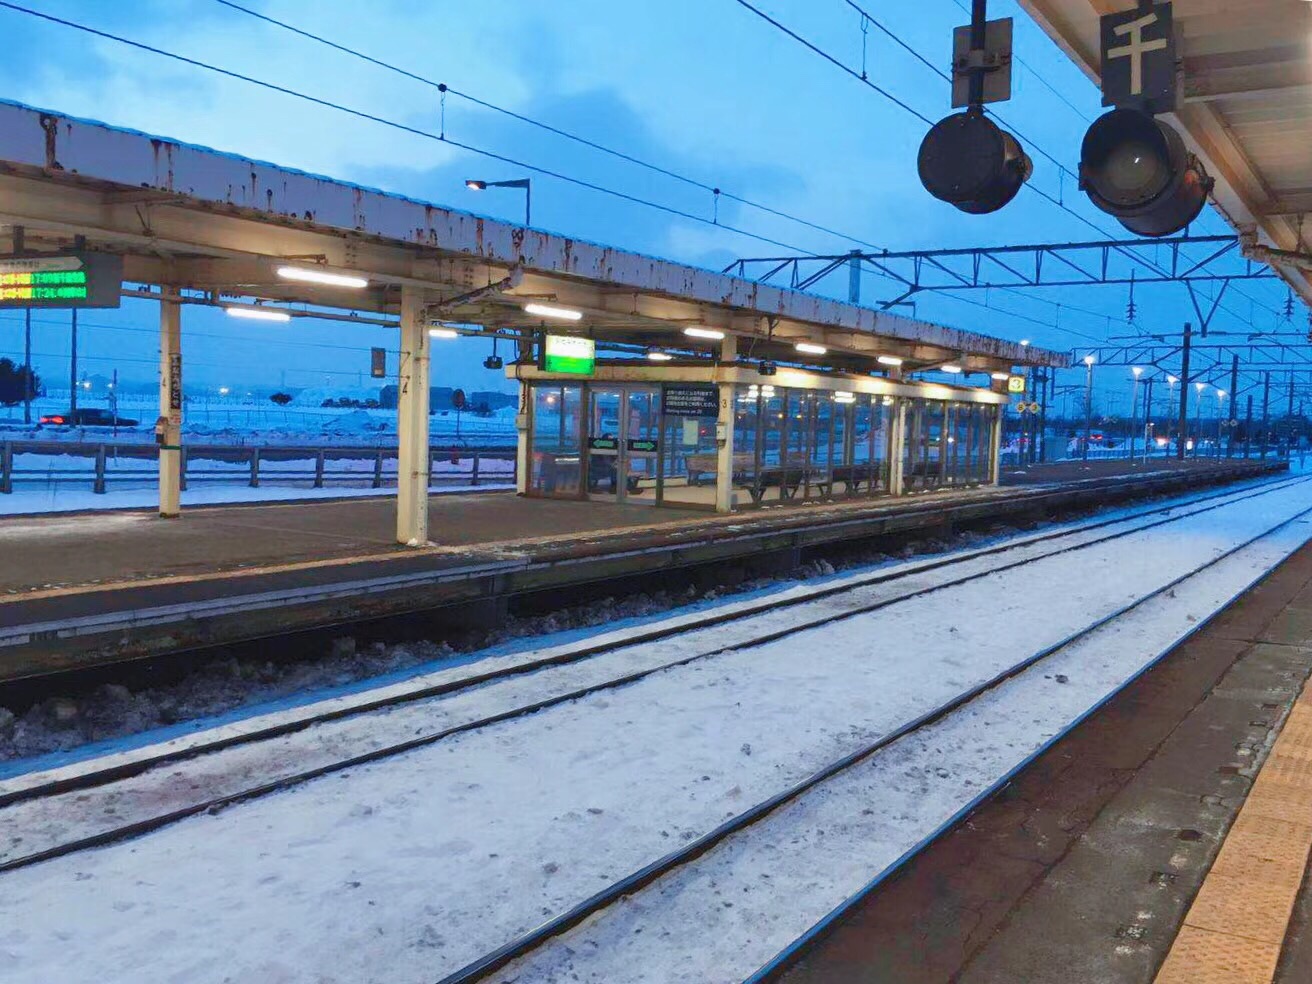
x=92, y=417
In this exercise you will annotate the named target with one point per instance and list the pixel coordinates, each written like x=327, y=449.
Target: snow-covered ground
x=246, y=422
x=408, y=868
x=64, y=499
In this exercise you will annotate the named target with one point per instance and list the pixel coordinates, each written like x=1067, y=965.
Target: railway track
x=754, y=625
x=524, y=947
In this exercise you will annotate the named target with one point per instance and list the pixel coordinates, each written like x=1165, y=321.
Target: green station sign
x=61, y=280
x=569, y=354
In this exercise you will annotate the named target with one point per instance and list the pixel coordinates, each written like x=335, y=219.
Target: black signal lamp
x=968, y=161
x=493, y=362
x=767, y=368
x=1137, y=169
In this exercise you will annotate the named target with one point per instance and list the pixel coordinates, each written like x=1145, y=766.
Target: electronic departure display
x=61, y=280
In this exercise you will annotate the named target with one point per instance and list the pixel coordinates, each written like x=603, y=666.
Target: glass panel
x=748, y=433
x=883, y=414
x=604, y=442
x=775, y=430
x=858, y=460
x=840, y=462
x=690, y=461
x=557, y=434
x=642, y=444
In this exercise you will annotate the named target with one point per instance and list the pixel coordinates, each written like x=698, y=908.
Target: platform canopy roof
x=189, y=218
x=1246, y=105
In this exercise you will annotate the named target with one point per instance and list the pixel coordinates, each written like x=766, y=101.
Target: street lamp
x=525, y=183
x=1088, y=402
x=1170, y=402
x=1220, y=406
x=1198, y=417
x=1134, y=409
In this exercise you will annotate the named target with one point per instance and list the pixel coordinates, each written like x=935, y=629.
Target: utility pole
x=1088, y=403
x=1234, y=395
x=27, y=364
x=1266, y=412
x=854, y=278
x=1248, y=427
x=72, y=375
x=1147, y=420
x=1183, y=422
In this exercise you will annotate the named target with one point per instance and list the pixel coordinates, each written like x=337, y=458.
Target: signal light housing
x=968, y=161
x=1138, y=170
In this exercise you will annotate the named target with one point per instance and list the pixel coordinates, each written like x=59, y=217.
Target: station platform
x=101, y=587
x=1164, y=840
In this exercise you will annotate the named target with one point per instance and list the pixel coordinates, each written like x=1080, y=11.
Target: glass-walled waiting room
x=656, y=443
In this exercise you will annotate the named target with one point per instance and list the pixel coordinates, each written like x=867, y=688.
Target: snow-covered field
x=406, y=869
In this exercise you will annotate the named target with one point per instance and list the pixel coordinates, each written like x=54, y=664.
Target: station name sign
x=569, y=354
x=61, y=280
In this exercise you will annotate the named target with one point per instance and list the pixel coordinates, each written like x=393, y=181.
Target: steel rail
x=656, y=633
x=479, y=969
x=149, y=824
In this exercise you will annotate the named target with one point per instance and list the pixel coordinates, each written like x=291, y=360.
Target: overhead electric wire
x=406, y=128
x=444, y=139
x=610, y=150
x=920, y=116
x=523, y=118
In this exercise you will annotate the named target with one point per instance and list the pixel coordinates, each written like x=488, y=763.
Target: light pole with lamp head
x=525, y=183
x=1198, y=418
x=1088, y=402
x=1170, y=402
x=1134, y=409
x=1220, y=415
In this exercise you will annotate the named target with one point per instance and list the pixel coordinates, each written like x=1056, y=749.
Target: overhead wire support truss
x=1071, y=264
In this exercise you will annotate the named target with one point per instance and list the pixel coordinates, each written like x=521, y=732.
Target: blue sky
x=701, y=87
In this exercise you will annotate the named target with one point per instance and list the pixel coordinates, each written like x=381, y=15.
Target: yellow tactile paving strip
x=1234, y=930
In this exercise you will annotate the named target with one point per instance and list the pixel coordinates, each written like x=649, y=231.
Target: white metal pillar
x=897, y=449
x=724, y=433
x=995, y=462
x=412, y=422
x=168, y=428
x=522, y=419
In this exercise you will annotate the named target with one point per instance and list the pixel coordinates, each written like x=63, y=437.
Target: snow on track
x=724, y=916
x=410, y=868
x=51, y=821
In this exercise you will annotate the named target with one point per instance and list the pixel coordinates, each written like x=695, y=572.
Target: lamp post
x=525, y=183
x=1088, y=402
x=1170, y=402
x=1134, y=409
x=1198, y=417
x=1220, y=415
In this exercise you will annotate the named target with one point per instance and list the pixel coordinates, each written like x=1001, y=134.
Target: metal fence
x=57, y=463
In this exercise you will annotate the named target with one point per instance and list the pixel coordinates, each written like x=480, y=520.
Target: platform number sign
x=1015, y=384
x=1138, y=59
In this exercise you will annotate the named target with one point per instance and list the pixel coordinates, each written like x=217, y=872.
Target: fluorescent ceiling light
x=809, y=349
x=321, y=277
x=1001, y=377
x=443, y=333
x=551, y=311
x=258, y=313
x=888, y=360
x=659, y=356
x=952, y=369
x=711, y=333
